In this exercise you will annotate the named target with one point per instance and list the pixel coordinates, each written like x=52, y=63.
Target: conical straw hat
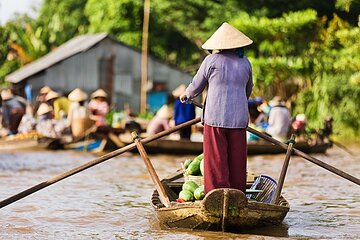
x=43, y=109
x=77, y=95
x=51, y=95
x=99, y=93
x=227, y=37
x=6, y=94
x=179, y=90
x=45, y=90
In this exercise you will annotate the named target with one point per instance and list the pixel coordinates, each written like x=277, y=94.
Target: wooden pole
x=299, y=153
x=144, y=57
x=92, y=163
x=154, y=177
x=307, y=157
x=283, y=170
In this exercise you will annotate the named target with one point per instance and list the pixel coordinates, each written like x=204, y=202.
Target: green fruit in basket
x=202, y=167
x=187, y=163
x=200, y=157
x=186, y=195
x=191, y=186
x=194, y=167
x=199, y=193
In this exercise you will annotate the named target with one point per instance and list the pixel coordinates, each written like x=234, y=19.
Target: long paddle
x=92, y=163
x=339, y=145
x=298, y=152
x=154, y=177
x=283, y=170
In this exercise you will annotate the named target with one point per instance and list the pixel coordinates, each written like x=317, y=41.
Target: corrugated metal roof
x=66, y=50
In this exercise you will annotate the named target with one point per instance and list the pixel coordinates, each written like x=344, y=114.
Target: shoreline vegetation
x=305, y=52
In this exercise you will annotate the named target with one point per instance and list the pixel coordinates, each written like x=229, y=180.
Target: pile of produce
x=195, y=167
x=191, y=190
x=24, y=136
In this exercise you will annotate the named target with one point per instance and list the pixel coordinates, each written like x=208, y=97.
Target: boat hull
x=180, y=147
x=208, y=214
x=194, y=217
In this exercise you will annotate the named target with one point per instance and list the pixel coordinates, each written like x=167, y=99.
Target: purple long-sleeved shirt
x=229, y=80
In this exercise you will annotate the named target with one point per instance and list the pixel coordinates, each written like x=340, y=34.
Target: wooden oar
x=307, y=157
x=92, y=163
x=155, y=178
x=339, y=145
x=299, y=153
x=283, y=170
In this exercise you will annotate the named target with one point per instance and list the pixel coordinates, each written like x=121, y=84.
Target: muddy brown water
x=112, y=199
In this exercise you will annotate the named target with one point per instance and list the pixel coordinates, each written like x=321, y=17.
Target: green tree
x=61, y=20
x=336, y=84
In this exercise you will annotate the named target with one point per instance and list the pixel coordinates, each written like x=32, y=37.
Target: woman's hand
x=183, y=98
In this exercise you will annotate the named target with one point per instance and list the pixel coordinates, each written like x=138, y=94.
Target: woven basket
x=199, y=180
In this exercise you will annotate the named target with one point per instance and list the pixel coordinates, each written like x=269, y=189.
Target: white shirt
x=279, y=123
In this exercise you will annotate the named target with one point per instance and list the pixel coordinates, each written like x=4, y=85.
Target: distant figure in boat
x=298, y=126
x=323, y=135
x=79, y=115
x=60, y=104
x=228, y=75
x=99, y=107
x=13, y=109
x=182, y=112
x=258, y=119
x=279, y=120
x=160, y=121
x=41, y=98
x=45, y=121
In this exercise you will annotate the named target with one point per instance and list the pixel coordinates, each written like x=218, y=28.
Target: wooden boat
x=167, y=146
x=222, y=209
x=29, y=141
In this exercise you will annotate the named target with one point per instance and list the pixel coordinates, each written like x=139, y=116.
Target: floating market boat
x=167, y=146
x=26, y=141
x=223, y=209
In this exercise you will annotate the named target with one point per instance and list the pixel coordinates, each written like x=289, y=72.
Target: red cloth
x=225, y=156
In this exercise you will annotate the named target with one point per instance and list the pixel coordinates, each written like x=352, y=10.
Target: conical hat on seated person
x=179, y=90
x=45, y=90
x=77, y=95
x=43, y=109
x=6, y=94
x=99, y=93
x=51, y=95
x=227, y=37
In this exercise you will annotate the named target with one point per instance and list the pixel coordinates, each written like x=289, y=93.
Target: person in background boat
x=41, y=97
x=258, y=119
x=298, y=126
x=13, y=109
x=99, y=107
x=45, y=122
x=79, y=115
x=279, y=120
x=182, y=112
x=160, y=121
x=129, y=121
x=60, y=104
x=228, y=75
x=323, y=135
x=265, y=108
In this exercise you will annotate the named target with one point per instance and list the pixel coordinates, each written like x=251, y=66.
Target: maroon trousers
x=225, y=153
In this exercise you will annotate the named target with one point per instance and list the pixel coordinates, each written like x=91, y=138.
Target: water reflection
x=112, y=200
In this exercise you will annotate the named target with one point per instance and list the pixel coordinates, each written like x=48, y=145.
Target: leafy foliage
x=305, y=51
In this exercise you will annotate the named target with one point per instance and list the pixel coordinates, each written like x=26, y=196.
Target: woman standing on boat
x=228, y=75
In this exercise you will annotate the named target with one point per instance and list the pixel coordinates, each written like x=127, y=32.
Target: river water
x=112, y=199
